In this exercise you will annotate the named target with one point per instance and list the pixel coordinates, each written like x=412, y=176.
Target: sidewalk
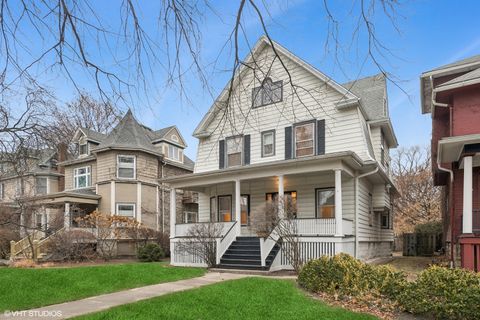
x=106, y=301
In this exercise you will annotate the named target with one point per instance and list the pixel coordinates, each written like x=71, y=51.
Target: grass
x=29, y=288
x=248, y=298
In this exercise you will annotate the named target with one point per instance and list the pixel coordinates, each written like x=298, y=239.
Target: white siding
x=343, y=128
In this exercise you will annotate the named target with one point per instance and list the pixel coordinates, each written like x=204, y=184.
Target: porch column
x=238, y=207
x=66, y=217
x=173, y=211
x=44, y=221
x=22, y=223
x=173, y=218
x=467, y=195
x=338, y=203
x=281, y=199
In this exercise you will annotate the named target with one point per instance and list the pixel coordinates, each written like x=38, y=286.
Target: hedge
x=438, y=291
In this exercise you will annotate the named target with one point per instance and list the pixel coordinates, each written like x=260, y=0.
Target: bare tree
x=419, y=200
x=277, y=221
x=200, y=242
x=83, y=112
x=80, y=41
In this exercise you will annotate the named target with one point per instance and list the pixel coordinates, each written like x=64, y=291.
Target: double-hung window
x=126, y=166
x=304, y=139
x=234, y=151
x=325, y=203
x=82, y=177
x=126, y=209
x=41, y=185
x=268, y=143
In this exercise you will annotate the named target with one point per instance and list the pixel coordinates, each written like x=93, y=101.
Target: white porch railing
x=181, y=230
x=321, y=227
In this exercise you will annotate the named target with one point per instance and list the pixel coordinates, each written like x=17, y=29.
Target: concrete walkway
x=106, y=301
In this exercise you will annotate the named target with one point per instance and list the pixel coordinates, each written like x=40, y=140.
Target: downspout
x=357, y=179
x=163, y=196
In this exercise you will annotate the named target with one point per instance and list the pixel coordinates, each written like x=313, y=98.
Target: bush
x=71, y=245
x=429, y=227
x=444, y=294
x=344, y=275
x=150, y=252
x=6, y=235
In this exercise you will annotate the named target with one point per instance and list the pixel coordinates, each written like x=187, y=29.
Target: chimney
x=61, y=156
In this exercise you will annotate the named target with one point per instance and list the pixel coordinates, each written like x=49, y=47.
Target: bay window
x=126, y=167
x=126, y=209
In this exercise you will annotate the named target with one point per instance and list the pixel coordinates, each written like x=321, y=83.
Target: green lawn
x=249, y=298
x=29, y=288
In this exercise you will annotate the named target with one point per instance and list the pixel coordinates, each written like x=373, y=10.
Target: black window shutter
x=246, y=149
x=288, y=143
x=221, y=154
x=321, y=136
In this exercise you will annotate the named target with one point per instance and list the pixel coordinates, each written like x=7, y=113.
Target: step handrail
x=224, y=243
x=267, y=244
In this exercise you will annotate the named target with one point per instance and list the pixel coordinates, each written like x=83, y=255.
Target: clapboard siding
x=343, y=129
x=70, y=169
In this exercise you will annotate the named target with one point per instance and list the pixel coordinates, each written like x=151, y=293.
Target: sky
x=430, y=33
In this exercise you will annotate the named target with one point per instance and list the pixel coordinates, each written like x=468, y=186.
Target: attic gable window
x=269, y=92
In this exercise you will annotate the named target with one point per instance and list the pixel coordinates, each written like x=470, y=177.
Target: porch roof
x=66, y=196
x=346, y=161
x=451, y=148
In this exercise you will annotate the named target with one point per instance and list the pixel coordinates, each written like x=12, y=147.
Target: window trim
x=133, y=204
x=185, y=216
x=232, y=218
x=261, y=87
x=272, y=131
x=316, y=201
x=314, y=137
x=88, y=174
x=134, y=166
x=241, y=151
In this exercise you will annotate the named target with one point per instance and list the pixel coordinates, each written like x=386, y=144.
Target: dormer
x=171, y=143
x=86, y=140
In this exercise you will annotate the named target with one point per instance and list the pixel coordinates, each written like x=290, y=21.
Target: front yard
x=29, y=288
x=249, y=298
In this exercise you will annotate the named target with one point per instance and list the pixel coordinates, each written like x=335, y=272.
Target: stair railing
x=24, y=243
x=267, y=244
x=224, y=242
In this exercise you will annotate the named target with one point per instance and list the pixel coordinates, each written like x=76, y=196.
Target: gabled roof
x=372, y=93
x=128, y=134
x=458, y=67
x=348, y=96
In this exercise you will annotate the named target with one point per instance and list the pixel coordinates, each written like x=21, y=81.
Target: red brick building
x=451, y=94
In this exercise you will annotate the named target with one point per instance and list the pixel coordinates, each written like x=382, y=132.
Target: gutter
x=357, y=179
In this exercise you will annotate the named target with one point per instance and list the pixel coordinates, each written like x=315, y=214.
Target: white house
x=296, y=135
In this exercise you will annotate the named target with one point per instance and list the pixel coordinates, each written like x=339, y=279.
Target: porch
x=318, y=204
